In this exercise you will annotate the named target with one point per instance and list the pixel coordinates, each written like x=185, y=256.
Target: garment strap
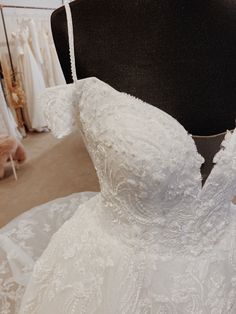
x=71, y=41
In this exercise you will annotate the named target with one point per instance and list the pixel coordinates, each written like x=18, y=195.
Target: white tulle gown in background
x=52, y=69
x=33, y=80
x=7, y=122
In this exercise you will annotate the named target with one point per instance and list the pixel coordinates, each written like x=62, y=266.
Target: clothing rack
x=2, y=6
x=8, y=45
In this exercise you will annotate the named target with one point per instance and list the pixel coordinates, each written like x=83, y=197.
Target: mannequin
x=179, y=56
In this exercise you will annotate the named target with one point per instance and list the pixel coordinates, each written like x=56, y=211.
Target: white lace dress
x=152, y=241
x=22, y=242
x=33, y=80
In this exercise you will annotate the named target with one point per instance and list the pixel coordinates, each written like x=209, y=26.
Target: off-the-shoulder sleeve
x=60, y=109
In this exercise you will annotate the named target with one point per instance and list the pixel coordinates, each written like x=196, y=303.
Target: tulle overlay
x=24, y=239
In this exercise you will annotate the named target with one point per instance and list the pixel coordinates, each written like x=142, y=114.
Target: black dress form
x=177, y=55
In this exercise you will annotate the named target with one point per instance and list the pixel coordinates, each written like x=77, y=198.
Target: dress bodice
x=148, y=165
x=146, y=162
x=149, y=168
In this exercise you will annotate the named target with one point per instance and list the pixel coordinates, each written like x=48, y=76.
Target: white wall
x=38, y=3
x=11, y=15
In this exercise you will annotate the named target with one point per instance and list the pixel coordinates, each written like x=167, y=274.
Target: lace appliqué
x=153, y=240
x=60, y=109
x=95, y=272
x=22, y=242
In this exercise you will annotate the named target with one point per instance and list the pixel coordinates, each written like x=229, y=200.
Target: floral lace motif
x=153, y=240
x=155, y=183
x=86, y=269
x=60, y=109
x=22, y=242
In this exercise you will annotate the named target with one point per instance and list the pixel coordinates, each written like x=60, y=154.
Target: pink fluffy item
x=10, y=150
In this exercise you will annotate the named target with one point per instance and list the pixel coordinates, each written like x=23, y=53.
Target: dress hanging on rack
x=34, y=41
x=59, y=78
x=42, y=69
x=33, y=80
x=48, y=66
x=52, y=69
x=38, y=67
x=7, y=122
x=14, y=94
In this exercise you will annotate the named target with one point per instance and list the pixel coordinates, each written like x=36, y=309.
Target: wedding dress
x=7, y=122
x=35, y=43
x=23, y=240
x=52, y=68
x=33, y=80
x=153, y=240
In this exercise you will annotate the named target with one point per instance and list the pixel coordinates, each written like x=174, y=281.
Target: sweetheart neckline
x=222, y=148
x=75, y=80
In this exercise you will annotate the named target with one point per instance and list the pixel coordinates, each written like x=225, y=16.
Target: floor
x=54, y=168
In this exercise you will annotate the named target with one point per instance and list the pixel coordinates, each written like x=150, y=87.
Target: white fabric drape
x=23, y=240
x=38, y=66
x=7, y=121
